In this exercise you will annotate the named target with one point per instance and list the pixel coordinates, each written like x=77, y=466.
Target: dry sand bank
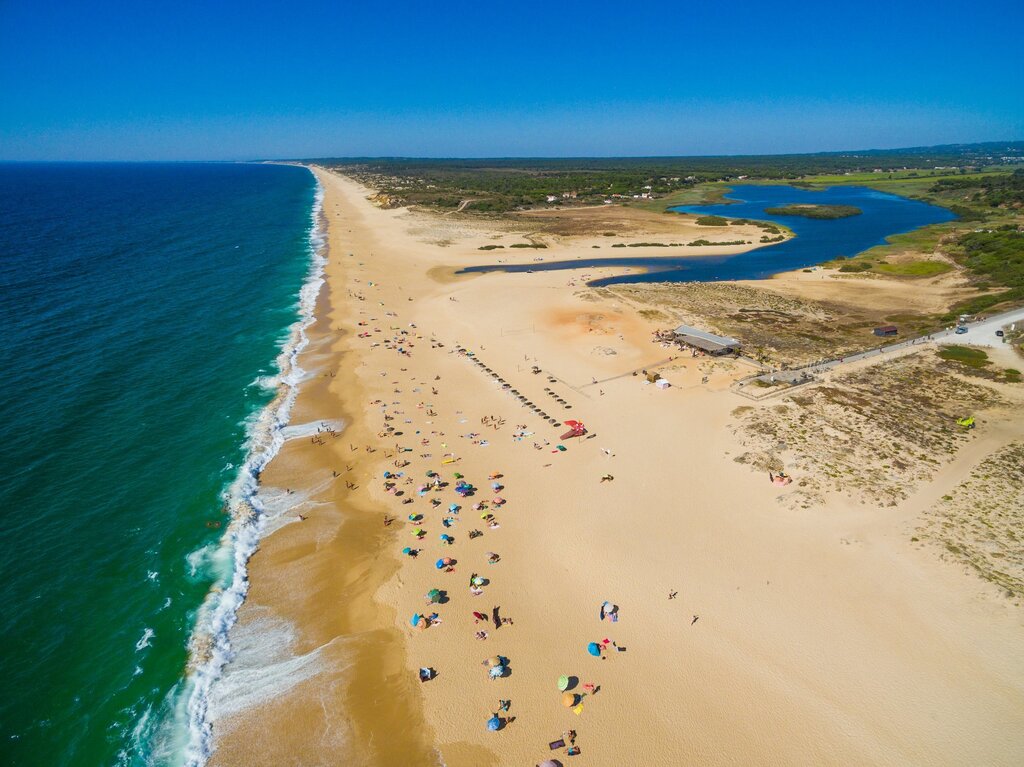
x=813, y=636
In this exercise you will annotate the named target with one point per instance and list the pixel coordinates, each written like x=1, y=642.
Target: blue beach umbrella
x=415, y=620
x=407, y=550
x=594, y=649
x=493, y=724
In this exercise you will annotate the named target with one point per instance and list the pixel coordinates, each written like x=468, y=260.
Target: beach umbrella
x=497, y=500
x=493, y=661
x=458, y=476
x=434, y=596
x=415, y=517
x=415, y=620
x=496, y=672
x=549, y=763
x=569, y=700
x=446, y=538
x=476, y=581
x=453, y=507
x=479, y=616
x=419, y=533
x=407, y=550
x=594, y=649
x=563, y=682
x=441, y=564
x=494, y=724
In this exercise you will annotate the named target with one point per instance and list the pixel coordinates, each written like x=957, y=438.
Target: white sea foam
x=296, y=430
x=189, y=732
x=145, y=641
x=264, y=667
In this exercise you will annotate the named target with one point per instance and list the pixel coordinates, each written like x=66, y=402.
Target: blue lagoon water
x=151, y=315
x=816, y=240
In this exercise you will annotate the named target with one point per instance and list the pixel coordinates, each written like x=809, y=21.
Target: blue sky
x=221, y=79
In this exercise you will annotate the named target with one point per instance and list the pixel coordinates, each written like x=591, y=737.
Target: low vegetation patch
x=914, y=268
x=712, y=221
x=874, y=434
x=528, y=245
x=490, y=247
x=981, y=524
x=815, y=211
x=965, y=355
x=975, y=362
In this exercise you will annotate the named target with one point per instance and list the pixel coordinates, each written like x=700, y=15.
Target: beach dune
x=744, y=632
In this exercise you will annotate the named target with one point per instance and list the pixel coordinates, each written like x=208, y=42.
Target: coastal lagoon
x=816, y=240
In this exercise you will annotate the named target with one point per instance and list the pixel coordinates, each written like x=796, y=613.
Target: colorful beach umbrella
x=407, y=550
x=569, y=700
x=594, y=649
x=563, y=683
x=494, y=724
x=415, y=620
x=493, y=661
x=434, y=595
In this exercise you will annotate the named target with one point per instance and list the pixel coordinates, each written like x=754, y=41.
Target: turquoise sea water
x=146, y=310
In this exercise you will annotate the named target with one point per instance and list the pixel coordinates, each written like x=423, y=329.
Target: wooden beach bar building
x=707, y=342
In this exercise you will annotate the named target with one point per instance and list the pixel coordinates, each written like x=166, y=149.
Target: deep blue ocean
x=146, y=310
x=816, y=240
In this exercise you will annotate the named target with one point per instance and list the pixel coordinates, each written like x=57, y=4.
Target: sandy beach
x=745, y=631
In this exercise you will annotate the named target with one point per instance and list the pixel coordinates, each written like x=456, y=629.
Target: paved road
x=984, y=333
x=981, y=333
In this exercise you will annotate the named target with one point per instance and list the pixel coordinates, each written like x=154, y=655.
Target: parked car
x=961, y=330
x=999, y=334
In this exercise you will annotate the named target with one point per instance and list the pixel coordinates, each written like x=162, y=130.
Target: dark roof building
x=886, y=330
x=708, y=342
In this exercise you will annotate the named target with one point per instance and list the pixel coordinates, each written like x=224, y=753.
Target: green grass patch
x=966, y=356
x=815, y=211
x=537, y=245
x=914, y=268
x=712, y=221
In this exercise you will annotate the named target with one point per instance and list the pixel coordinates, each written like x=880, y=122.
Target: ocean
x=151, y=316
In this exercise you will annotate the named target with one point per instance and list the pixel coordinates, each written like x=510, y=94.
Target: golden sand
x=818, y=636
